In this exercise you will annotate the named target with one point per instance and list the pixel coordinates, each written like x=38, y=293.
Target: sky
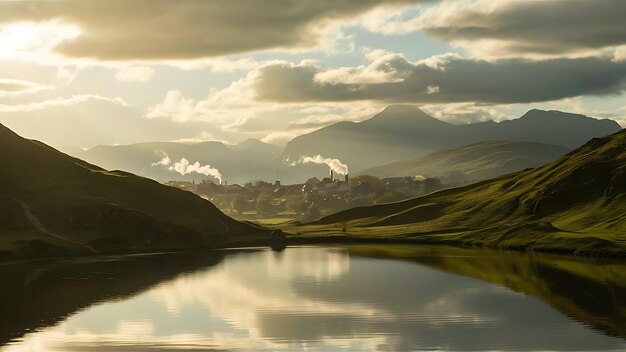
x=79, y=73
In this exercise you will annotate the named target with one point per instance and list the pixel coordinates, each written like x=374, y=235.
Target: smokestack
x=346, y=178
x=331, y=174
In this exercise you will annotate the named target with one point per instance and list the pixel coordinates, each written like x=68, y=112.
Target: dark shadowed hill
x=405, y=132
x=55, y=204
x=575, y=204
x=475, y=162
x=246, y=161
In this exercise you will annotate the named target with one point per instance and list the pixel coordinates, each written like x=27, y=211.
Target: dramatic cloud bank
x=522, y=27
x=444, y=79
x=334, y=164
x=275, y=69
x=164, y=29
x=184, y=167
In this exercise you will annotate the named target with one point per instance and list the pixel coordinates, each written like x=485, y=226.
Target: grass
x=573, y=205
x=478, y=161
x=111, y=211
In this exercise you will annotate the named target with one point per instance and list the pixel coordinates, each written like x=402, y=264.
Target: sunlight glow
x=34, y=40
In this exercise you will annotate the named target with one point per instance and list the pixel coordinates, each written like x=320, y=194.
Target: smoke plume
x=334, y=164
x=165, y=160
x=184, y=167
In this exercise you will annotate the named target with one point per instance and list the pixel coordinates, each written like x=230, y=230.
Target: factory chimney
x=331, y=175
x=346, y=178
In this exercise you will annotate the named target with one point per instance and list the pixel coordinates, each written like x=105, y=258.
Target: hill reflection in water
x=341, y=298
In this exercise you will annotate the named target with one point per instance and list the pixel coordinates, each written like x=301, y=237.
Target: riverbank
x=519, y=241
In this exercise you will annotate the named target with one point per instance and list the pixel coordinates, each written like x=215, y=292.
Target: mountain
x=398, y=133
x=575, y=204
x=474, y=162
x=247, y=161
x=54, y=204
x=403, y=132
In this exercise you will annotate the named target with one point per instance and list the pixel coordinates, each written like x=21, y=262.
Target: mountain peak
x=536, y=116
x=402, y=108
x=252, y=143
x=403, y=113
x=552, y=114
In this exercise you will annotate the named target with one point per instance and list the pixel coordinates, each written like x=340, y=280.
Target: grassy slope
x=575, y=204
x=106, y=210
x=477, y=161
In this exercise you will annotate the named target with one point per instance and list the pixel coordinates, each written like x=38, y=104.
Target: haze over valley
x=285, y=175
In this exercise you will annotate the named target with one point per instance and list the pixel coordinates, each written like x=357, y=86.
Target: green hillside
x=475, y=162
x=575, y=204
x=54, y=204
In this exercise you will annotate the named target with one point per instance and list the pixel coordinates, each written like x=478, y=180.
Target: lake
x=318, y=298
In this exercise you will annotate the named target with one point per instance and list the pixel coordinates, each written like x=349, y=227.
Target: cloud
x=281, y=138
x=465, y=113
x=99, y=119
x=384, y=69
x=135, y=74
x=21, y=38
x=174, y=107
x=620, y=53
x=60, y=102
x=443, y=79
x=165, y=30
x=67, y=75
x=522, y=27
x=235, y=110
x=203, y=136
x=13, y=87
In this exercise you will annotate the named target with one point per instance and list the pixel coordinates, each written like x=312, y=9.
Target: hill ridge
x=110, y=211
x=573, y=205
x=390, y=136
x=476, y=161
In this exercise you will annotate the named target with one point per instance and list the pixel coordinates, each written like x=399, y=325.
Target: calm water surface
x=358, y=298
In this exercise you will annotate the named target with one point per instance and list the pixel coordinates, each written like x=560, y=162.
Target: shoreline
x=337, y=239
x=342, y=239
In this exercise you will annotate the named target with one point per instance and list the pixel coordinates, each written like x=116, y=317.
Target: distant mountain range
x=54, y=204
x=397, y=133
x=405, y=132
x=247, y=161
x=575, y=204
x=475, y=162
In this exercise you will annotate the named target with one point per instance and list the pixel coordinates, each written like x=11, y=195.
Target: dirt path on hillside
x=36, y=222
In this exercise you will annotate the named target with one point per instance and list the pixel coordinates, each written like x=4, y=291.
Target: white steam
x=184, y=167
x=165, y=161
x=334, y=164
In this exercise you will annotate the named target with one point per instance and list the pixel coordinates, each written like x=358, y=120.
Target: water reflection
x=348, y=299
